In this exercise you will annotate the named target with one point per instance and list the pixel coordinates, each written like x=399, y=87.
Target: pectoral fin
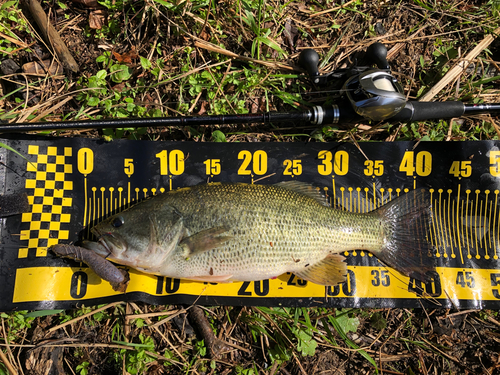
x=330, y=271
x=205, y=240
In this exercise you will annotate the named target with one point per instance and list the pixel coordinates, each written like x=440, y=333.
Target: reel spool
x=373, y=93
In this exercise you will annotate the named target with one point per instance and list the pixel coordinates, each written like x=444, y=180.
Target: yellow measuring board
x=73, y=184
x=363, y=282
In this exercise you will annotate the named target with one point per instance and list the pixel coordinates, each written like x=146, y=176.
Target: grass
x=158, y=58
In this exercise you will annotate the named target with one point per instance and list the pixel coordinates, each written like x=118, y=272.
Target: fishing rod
x=367, y=93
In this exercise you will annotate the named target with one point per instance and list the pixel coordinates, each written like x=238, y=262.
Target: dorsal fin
x=306, y=189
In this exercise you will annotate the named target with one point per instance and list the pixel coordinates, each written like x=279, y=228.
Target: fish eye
x=117, y=222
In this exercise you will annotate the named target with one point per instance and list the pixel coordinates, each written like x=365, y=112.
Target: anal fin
x=330, y=271
x=205, y=240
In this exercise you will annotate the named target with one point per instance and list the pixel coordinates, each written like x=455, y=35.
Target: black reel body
x=372, y=92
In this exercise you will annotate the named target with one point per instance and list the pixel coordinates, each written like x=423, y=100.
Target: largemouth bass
x=241, y=232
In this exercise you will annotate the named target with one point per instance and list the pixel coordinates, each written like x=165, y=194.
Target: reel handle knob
x=309, y=59
x=377, y=53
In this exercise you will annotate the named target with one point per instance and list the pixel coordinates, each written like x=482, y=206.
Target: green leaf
x=7, y=147
x=139, y=323
x=250, y=21
x=346, y=323
x=218, y=136
x=378, y=321
x=145, y=63
x=306, y=343
x=8, y=4
x=37, y=314
x=425, y=138
x=422, y=61
x=279, y=353
x=271, y=43
x=334, y=322
x=166, y=4
x=101, y=58
x=93, y=101
x=101, y=74
x=120, y=73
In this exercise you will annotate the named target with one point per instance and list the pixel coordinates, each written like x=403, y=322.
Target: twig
x=7, y=345
x=153, y=314
x=398, y=46
x=163, y=321
x=391, y=372
x=213, y=48
x=302, y=370
x=451, y=358
x=52, y=36
x=494, y=321
x=215, y=346
x=455, y=72
x=154, y=326
x=84, y=316
x=332, y=9
x=52, y=109
x=495, y=125
x=7, y=364
x=15, y=41
x=455, y=314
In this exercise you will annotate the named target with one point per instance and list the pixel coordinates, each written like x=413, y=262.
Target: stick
x=332, y=9
x=52, y=36
x=460, y=67
x=7, y=364
x=213, y=48
x=83, y=316
x=215, y=346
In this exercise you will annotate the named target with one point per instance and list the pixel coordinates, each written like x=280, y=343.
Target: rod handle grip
x=421, y=111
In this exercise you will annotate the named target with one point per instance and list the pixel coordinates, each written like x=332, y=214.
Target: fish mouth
x=110, y=244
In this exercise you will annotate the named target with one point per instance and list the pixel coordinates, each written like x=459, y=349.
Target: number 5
x=495, y=163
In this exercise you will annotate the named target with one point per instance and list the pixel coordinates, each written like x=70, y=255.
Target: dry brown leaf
x=204, y=35
x=126, y=57
x=49, y=67
x=97, y=19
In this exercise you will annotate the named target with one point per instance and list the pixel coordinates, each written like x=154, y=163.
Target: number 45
x=461, y=168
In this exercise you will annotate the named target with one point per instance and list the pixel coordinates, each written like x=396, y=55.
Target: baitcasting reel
x=373, y=93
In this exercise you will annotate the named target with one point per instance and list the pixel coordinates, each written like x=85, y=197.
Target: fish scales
x=274, y=230
x=245, y=232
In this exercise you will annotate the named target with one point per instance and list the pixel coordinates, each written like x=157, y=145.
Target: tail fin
x=407, y=221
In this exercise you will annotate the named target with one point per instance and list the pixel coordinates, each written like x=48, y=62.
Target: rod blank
x=342, y=113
